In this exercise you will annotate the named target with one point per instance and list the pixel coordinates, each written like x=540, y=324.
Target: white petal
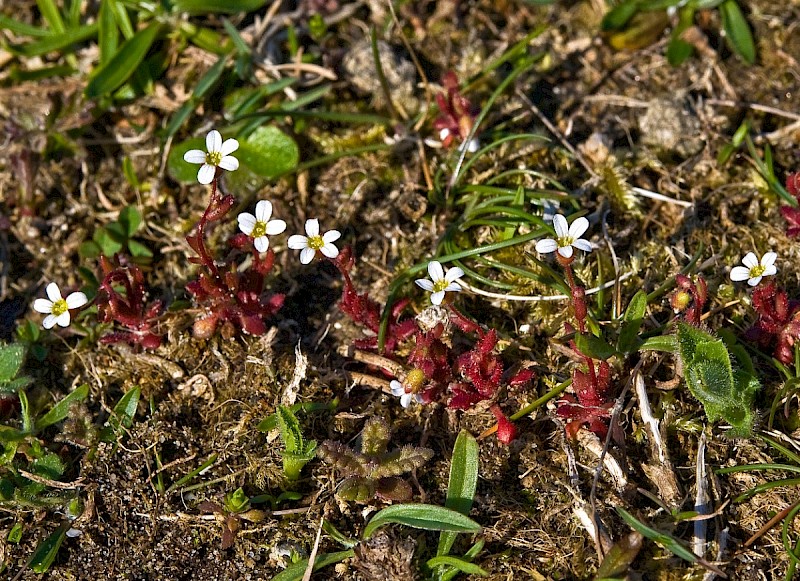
x=297, y=242
x=578, y=227
x=53, y=292
x=329, y=250
x=560, y=226
x=307, y=255
x=275, y=227
x=453, y=274
x=754, y=281
x=405, y=399
x=582, y=244
x=246, y=222
x=195, y=156
x=546, y=246
x=229, y=163
x=436, y=298
x=397, y=388
x=453, y=287
x=63, y=319
x=206, y=174
x=768, y=259
x=331, y=236
x=443, y=133
x=263, y=211
x=770, y=270
x=565, y=251
x=229, y=147
x=750, y=260
x=312, y=227
x=435, y=271
x=425, y=283
x=213, y=141
x=740, y=273
x=49, y=321
x=76, y=300
x=43, y=306
x=472, y=145
x=261, y=243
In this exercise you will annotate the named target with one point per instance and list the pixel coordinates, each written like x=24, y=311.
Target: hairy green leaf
x=461, y=485
x=11, y=358
x=422, y=516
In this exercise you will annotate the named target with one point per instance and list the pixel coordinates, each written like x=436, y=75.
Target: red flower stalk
x=456, y=114
x=227, y=294
x=790, y=213
x=778, y=322
x=591, y=405
x=689, y=298
x=127, y=308
x=365, y=311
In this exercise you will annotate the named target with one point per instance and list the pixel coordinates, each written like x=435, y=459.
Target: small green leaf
x=122, y=65
x=456, y=563
x=632, y=322
x=130, y=219
x=104, y=238
x=11, y=358
x=47, y=550
x=667, y=343
x=269, y=152
x=179, y=169
x=594, y=347
x=219, y=6
x=139, y=250
x=15, y=534
x=297, y=571
x=125, y=410
x=618, y=17
x=737, y=31
x=61, y=409
x=678, y=50
x=422, y=516
x=89, y=249
x=461, y=485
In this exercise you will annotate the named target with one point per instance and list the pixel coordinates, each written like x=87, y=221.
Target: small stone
x=670, y=126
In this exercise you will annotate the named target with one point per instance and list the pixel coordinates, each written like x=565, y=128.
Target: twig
x=661, y=197
x=754, y=107
x=702, y=500
x=52, y=483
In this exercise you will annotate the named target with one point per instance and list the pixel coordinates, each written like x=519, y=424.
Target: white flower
x=259, y=227
x=405, y=398
x=311, y=243
x=218, y=155
x=57, y=309
x=440, y=282
x=567, y=236
x=753, y=270
x=471, y=146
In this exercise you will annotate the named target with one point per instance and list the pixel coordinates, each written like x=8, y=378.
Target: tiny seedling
x=373, y=471
x=235, y=507
x=725, y=393
x=117, y=237
x=297, y=451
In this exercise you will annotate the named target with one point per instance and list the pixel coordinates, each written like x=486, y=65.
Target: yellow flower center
x=757, y=271
x=315, y=242
x=59, y=307
x=565, y=241
x=213, y=157
x=440, y=285
x=414, y=381
x=259, y=230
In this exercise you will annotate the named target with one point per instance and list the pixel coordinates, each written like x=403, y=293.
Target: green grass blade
x=61, y=410
x=108, y=31
x=218, y=6
x=737, y=31
x=55, y=42
x=296, y=571
x=22, y=28
x=51, y=15
x=461, y=485
x=119, y=69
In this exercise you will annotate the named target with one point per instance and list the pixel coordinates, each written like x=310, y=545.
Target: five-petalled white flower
x=57, y=308
x=440, y=282
x=218, y=154
x=312, y=242
x=567, y=236
x=405, y=398
x=754, y=270
x=260, y=227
